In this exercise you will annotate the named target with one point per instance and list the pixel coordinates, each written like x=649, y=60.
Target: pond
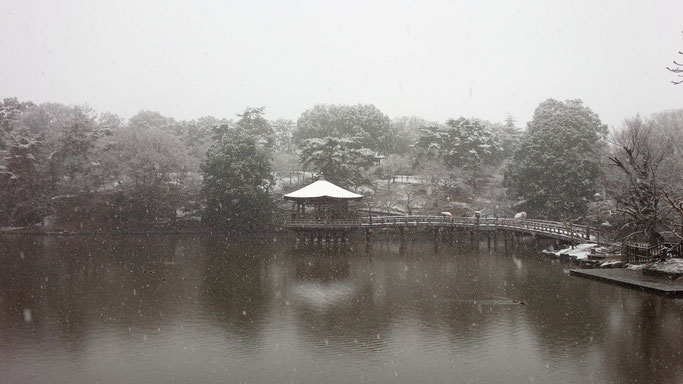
x=204, y=309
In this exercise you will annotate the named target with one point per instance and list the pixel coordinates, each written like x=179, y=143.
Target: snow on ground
x=667, y=266
x=409, y=179
x=8, y=229
x=611, y=264
x=579, y=252
x=670, y=266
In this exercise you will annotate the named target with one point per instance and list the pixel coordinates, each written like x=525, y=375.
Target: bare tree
x=678, y=207
x=678, y=70
x=386, y=202
x=639, y=153
x=438, y=174
x=413, y=199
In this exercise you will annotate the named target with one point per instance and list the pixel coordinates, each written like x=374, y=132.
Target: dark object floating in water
x=497, y=300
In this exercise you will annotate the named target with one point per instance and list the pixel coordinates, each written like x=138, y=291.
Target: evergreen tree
x=254, y=124
x=237, y=181
x=509, y=136
x=362, y=122
x=22, y=201
x=466, y=144
x=10, y=111
x=555, y=168
x=283, y=130
x=407, y=132
x=77, y=137
x=341, y=161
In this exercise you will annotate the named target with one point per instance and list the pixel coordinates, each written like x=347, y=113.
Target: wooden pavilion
x=328, y=214
x=329, y=202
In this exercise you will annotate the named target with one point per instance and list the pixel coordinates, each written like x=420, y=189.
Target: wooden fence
x=645, y=253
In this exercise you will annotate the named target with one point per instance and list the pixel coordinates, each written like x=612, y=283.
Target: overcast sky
x=432, y=59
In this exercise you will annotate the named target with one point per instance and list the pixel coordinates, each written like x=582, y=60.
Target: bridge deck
x=551, y=229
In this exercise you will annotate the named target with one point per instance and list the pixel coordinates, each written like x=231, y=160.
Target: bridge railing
x=403, y=220
x=567, y=230
x=558, y=229
x=322, y=223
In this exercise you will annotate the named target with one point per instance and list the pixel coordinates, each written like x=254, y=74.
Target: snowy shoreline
x=594, y=255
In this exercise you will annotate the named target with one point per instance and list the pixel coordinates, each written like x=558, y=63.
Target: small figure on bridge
x=448, y=215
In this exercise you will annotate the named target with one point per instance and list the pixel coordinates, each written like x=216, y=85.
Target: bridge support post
x=368, y=235
x=474, y=238
x=402, y=233
x=488, y=240
x=510, y=238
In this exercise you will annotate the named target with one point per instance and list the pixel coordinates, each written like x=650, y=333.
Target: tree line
x=90, y=168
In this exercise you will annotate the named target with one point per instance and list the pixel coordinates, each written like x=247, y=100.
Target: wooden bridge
x=541, y=228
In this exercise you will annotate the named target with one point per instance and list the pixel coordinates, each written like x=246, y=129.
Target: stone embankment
x=664, y=277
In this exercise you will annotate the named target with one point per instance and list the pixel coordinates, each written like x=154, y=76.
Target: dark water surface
x=202, y=310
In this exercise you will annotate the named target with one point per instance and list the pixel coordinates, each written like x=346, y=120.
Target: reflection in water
x=323, y=295
x=322, y=283
x=160, y=309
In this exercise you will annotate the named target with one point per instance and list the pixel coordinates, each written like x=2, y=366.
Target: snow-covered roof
x=322, y=188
